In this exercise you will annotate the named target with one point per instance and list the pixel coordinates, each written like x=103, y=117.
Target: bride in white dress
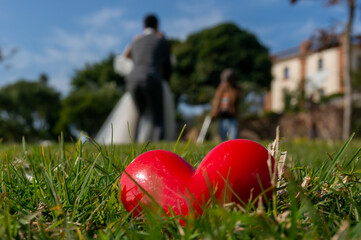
x=120, y=125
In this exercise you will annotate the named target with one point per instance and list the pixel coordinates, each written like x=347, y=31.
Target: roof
x=287, y=53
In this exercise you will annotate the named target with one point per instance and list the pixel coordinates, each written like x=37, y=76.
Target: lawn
x=72, y=191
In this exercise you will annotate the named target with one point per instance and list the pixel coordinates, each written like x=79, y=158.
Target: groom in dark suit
x=150, y=53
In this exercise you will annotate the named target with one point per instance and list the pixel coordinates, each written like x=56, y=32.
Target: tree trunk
x=347, y=72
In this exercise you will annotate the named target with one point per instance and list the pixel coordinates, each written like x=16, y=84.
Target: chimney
x=305, y=48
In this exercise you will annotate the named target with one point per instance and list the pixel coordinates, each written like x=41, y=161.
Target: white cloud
x=106, y=42
x=52, y=55
x=182, y=27
x=304, y=30
x=64, y=39
x=196, y=7
x=102, y=17
x=195, y=17
x=71, y=50
x=21, y=59
x=265, y=3
x=339, y=9
x=129, y=26
x=87, y=40
x=79, y=47
x=290, y=29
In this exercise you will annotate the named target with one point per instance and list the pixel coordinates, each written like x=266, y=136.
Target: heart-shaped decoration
x=235, y=171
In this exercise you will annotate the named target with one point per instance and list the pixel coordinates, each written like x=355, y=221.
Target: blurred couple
x=147, y=109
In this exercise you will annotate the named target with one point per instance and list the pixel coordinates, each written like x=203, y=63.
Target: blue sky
x=58, y=37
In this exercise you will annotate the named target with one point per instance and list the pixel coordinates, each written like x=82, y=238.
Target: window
x=320, y=64
x=286, y=73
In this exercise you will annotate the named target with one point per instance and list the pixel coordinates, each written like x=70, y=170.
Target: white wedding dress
x=120, y=126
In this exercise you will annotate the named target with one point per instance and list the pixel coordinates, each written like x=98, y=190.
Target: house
x=316, y=67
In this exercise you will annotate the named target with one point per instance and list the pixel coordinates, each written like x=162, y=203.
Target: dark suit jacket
x=151, y=57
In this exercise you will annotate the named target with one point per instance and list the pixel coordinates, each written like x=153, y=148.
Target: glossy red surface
x=236, y=170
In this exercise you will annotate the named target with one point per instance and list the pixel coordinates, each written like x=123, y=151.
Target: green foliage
x=356, y=80
x=96, y=75
x=28, y=109
x=203, y=56
x=295, y=100
x=86, y=109
x=72, y=191
x=96, y=89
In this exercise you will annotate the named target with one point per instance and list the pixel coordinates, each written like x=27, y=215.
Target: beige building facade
x=318, y=72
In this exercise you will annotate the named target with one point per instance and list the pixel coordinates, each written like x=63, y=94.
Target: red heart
x=236, y=170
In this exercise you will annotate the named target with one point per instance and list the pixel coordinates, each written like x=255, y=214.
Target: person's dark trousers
x=148, y=98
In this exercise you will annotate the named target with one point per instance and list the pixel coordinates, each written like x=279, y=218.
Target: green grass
x=71, y=191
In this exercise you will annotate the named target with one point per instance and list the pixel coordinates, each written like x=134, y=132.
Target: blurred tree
x=29, y=109
x=96, y=75
x=96, y=89
x=203, y=56
x=351, y=6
